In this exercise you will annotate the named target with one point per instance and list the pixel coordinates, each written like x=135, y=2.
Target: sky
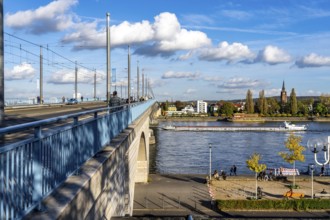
x=188, y=49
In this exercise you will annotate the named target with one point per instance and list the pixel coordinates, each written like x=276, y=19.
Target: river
x=187, y=152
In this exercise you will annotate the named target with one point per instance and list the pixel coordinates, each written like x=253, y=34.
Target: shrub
x=284, y=204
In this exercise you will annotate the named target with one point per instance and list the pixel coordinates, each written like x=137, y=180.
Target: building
x=172, y=108
x=188, y=109
x=284, y=97
x=201, y=106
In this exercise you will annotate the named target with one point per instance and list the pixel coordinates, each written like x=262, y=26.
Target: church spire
x=283, y=86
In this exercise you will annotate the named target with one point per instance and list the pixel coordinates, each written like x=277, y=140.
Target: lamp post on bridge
x=210, y=166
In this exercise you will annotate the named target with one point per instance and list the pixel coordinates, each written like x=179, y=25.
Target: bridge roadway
x=23, y=114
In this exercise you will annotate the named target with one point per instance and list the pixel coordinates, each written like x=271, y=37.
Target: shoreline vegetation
x=252, y=120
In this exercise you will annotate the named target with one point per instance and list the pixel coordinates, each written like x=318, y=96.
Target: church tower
x=284, y=98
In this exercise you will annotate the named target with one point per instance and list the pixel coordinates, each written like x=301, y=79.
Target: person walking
x=231, y=171
x=322, y=171
x=234, y=169
x=114, y=100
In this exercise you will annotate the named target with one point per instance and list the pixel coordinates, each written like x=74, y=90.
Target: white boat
x=293, y=127
x=169, y=127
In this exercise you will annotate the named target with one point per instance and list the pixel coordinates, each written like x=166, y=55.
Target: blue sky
x=189, y=50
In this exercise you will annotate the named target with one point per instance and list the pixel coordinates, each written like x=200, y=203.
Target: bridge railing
x=32, y=168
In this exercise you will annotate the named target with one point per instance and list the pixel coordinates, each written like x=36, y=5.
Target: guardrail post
x=37, y=167
x=76, y=145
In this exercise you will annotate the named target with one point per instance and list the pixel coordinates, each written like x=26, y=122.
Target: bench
x=290, y=194
x=320, y=195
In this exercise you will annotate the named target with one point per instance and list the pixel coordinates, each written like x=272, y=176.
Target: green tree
x=166, y=106
x=295, y=152
x=227, y=108
x=179, y=105
x=249, y=102
x=321, y=109
x=325, y=99
x=293, y=102
x=302, y=108
x=253, y=164
x=274, y=106
x=261, y=102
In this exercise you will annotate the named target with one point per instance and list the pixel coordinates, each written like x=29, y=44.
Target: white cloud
x=190, y=91
x=313, y=93
x=235, y=14
x=213, y=78
x=186, y=56
x=197, y=19
x=68, y=76
x=49, y=18
x=156, y=83
x=21, y=71
x=241, y=83
x=131, y=33
x=171, y=36
x=172, y=74
x=228, y=52
x=164, y=36
x=273, y=55
x=272, y=92
x=313, y=60
x=87, y=37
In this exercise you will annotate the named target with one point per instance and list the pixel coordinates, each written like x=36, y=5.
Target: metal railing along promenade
x=32, y=168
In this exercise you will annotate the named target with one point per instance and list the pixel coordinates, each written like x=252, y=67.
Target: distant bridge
x=84, y=169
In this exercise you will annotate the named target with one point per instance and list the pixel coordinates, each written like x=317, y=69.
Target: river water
x=187, y=152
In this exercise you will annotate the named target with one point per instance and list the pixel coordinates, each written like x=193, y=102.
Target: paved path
x=173, y=194
x=176, y=196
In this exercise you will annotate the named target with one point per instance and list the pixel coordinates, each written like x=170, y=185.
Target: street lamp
x=312, y=169
x=210, y=147
x=317, y=144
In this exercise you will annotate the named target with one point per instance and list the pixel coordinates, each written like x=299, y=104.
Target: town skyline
x=198, y=51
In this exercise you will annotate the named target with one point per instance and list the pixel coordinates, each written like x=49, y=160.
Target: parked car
x=72, y=101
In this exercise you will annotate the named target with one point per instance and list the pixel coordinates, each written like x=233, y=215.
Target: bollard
x=179, y=205
x=146, y=202
x=163, y=201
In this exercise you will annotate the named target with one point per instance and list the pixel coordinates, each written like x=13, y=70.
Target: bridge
x=78, y=166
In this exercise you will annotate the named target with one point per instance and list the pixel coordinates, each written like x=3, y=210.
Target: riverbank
x=259, y=120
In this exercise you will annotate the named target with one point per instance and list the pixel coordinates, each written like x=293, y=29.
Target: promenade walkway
x=241, y=187
x=176, y=196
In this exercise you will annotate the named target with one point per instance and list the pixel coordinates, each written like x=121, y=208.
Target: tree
x=166, y=106
x=302, y=108
x=321, y=109
x=227, y=108
x=179, y=105
x=295, y=152
x=262, y=103
x=293, y=102
x=249, y=102
x=325, y=99
x=253, y=164
x=274, y=107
